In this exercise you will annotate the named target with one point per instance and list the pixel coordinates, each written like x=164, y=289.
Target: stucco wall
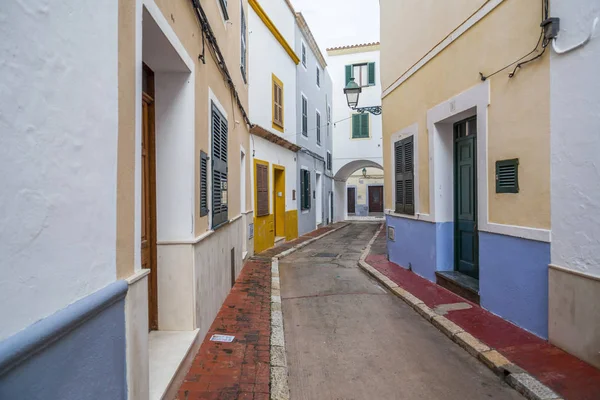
x=575, y=116
x=181, y=18
x=267, y=58
x=58, y=136
x=575, y=119
x=346, y=149
x=404, y=19
x=518, y=114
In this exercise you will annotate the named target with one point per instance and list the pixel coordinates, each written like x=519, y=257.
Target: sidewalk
x=240, y=369
x=567, y=375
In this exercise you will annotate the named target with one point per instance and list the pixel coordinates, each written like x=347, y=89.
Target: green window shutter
x=308, y=199
x=404, y=174
x=507, y=176
x=348, y=74
x=219, y=167
x=371, y=67
x=203, y=184
x=355, y=126
x=364, y=125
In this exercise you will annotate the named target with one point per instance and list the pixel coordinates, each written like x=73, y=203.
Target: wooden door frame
x=355, y=197
x=152, y=278
x=281, y=169
x=455, y=193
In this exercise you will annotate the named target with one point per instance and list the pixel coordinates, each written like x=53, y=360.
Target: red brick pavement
x=241, y=369
x=562, y=372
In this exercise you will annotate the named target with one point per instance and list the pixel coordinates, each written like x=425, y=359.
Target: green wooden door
x=466, y=252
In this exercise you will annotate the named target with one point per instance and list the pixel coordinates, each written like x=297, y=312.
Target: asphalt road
x=349, y=338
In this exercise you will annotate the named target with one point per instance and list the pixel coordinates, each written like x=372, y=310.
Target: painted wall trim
x=484, y=10
x=416, y=217
x=26, y=343
x=273, y=29
x=574, y=272
x=199, y=238
x=138, y=275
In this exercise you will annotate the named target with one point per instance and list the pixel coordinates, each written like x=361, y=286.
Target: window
x=360, y=126
x=363, y=74
x=305, y=188
x=223, y=4
x=277, y=104
x=262, y=190
x=318, y=115
x=329, y=161
x=507, y=176
x=318, y=76
x=243, y=45
x=203, y=184
x=219, y=167
x=304, y=116
x=304, y=54
x=404, y=167
x=328, y=118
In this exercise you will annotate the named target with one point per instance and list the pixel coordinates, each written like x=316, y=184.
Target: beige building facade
x=184, y=207
x=467, y=149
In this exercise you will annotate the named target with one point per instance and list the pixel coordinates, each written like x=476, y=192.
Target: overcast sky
x=341, y=22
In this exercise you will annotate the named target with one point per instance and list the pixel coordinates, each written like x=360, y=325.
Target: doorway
x=148, y=231
x=351, y=200
x=375, y=199
x=279, y=200
x=319, y=200
x=466, y=238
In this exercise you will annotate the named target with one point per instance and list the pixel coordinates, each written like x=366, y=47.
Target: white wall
x=575, y=125
x=274, y=154
x=58, y=155
x=267, y=57
x=346, y=149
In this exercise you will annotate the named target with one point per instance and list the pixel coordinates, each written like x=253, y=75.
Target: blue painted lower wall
x=513, y=272
x=513, y=280
x=421, y=246
x=76, y=353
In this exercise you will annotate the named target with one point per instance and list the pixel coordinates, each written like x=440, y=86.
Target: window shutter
x=219, y=168
x=348, y=74
x=507, y=176
x=356, y=126
x=364, y=125
x=404, y=172
x=308, y=190
x=262, y=190
x=318, y=117
x=304, y=116
x=371, y=67
x=203, y=184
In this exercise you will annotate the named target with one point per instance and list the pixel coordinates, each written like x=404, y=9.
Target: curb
x=279, y=370
x=516, y=377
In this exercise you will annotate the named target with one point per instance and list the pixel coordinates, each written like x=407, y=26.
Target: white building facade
x=574, y=275
x=357, y=140
x=272, y=99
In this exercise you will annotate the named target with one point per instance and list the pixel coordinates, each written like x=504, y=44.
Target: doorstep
x=167, y=352
x=279, y=240
x=461, y=284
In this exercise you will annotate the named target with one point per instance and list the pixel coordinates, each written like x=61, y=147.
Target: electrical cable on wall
x=215, y=51
x=542, y=39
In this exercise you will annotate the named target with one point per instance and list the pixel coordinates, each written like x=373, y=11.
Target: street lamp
x=352, y=92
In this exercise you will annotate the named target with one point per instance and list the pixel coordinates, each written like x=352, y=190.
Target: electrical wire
x=544, y=42
x=215, y=51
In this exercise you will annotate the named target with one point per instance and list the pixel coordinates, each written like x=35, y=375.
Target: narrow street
x=349, y=338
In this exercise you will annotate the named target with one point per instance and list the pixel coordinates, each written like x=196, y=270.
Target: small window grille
x=507, y=176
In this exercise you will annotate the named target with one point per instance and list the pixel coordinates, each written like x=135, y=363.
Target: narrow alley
x=349, y=338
